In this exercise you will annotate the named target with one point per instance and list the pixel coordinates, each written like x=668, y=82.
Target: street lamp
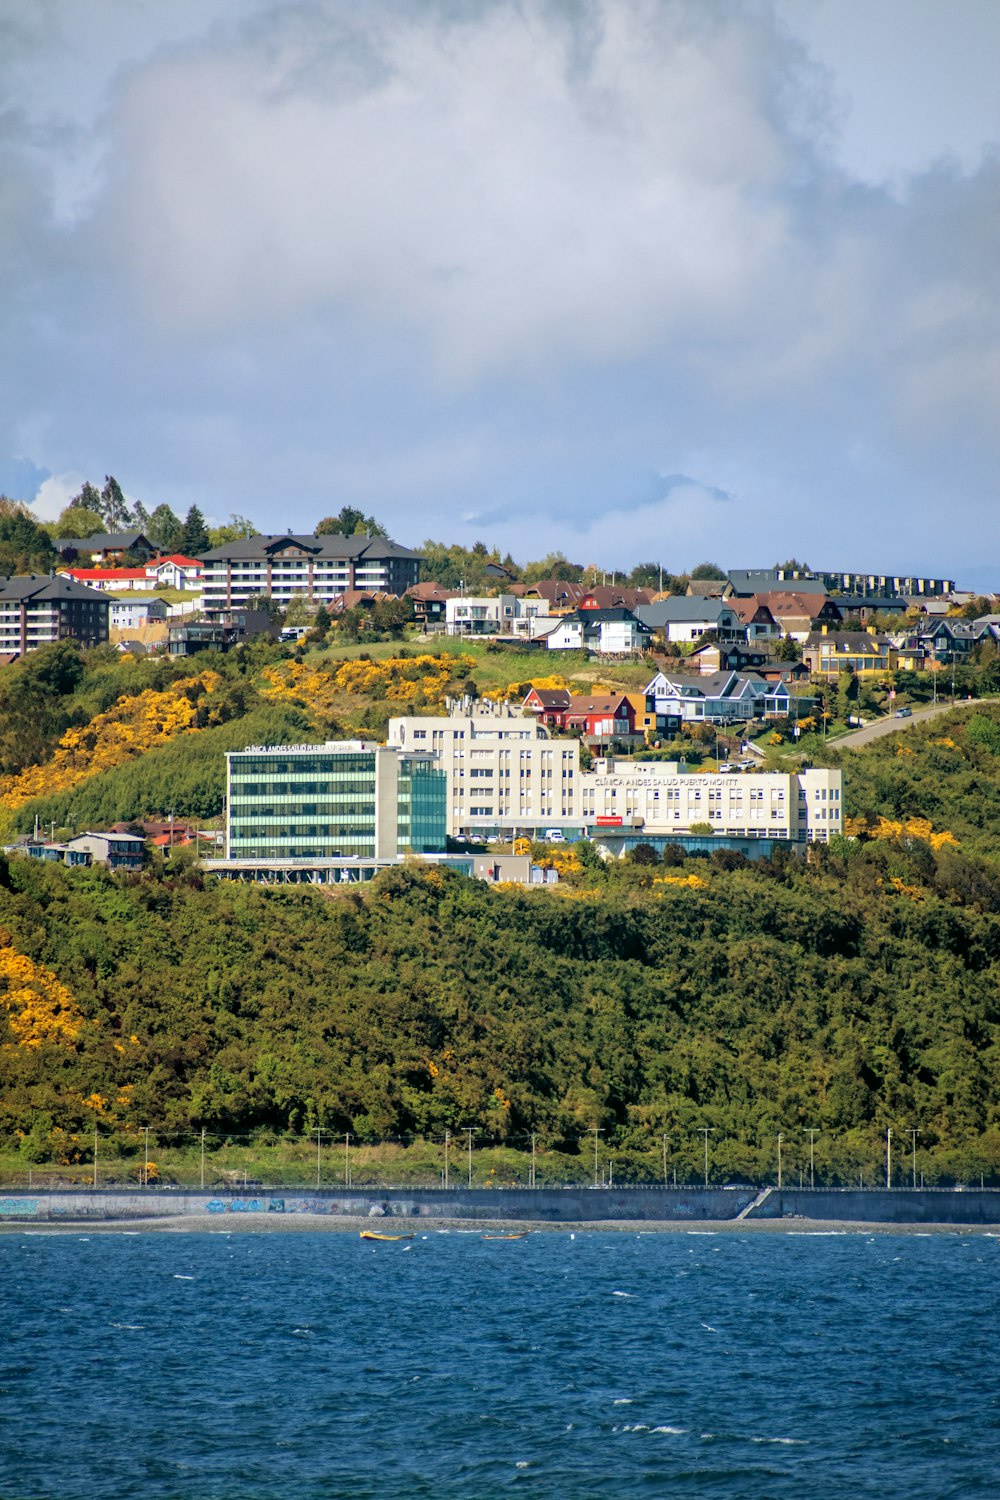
x=780, y=1139
x=888, y=1157
x=705, y=1130
x=812, y=1156
x=914, y=1132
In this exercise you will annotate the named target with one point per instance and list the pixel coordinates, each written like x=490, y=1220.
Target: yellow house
x=645, y=719
x=827, y=653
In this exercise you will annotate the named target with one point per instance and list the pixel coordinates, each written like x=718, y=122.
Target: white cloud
x=54, y=494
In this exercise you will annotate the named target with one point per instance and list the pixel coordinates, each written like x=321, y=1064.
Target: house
x=564, y=597
x=429, y=600
x=315, y=568
x=233, y=628
x=745, y=582
x=724, y=697
x=864, y=607
x=827, y=653
x=106, y=548
x=755, y=617
x=799, y=614
x=506, y=614
x=612, y=632
x=175, y=572
x=600, y=720
x=727, y=656
x=709, y=588
x=680, y=618
x=946, y=640
x=548, y=705
x=119, y=851
x=643, y=717
x=39, y=609
x=129, y=614
x=109, y=580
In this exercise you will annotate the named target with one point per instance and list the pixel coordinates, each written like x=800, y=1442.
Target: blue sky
x=637, y=279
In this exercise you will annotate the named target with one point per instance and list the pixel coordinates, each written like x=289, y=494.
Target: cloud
x=520, y=266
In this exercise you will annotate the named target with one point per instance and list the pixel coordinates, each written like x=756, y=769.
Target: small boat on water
x=369, y=1234
x=522, y=1234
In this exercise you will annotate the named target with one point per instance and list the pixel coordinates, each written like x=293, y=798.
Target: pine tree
x=195, y=538
x=165, y=529
x=114, y=506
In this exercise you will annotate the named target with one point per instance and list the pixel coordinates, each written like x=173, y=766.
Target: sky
x=637, y=280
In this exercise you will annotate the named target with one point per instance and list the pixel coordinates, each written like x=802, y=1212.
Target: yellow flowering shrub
x=890, y=828
x=553, y=684
x=395, y=678
x=39, y=1008
x=128, y=728
x=691, y=882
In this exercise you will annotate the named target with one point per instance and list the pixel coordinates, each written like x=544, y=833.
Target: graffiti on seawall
x=18, y=1208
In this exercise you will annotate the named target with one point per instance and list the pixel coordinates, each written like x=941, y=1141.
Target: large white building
x=504, y=614
x=657, y=798
x=504, y=772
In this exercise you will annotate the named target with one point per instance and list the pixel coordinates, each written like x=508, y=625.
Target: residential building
x=827, y=653
x=746, y=582
x=548, y=705
x=756, y=619
x=611, y=632
x=723, y=697
x=503, y=772
x=503, y=614
x=316, y=568
x=38, y=610
x=798, y=614
x=109, y=580
x=119, y=851
x=601, y=720
x=945, y=640
x=826, y=581
x=233, y=627
x=175, y=572
x=346, y=799
x=659, y=799
x=562, y=597
x=683, y=618
x=129, y=614
x=429, y=600
x=105, y=548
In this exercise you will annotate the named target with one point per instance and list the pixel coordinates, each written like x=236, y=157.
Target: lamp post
x=203, y=1156
x=664, y=1161
x=780, y=1139
x=532, y=1158
x=812, y=1156
x=347, y=1160
x=95, y=1153
x=145, y=1165
x=597, y=1133
x=319, y=1151
x=705, y=1130
x=888, y=1157
x=469, y=1132
x=914, y=1132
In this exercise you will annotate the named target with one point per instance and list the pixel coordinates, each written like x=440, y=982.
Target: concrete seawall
x=539, y=1205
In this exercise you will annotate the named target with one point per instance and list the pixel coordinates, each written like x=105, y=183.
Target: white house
x=129, y=614
x=613, y=632
x=504, y=614
x=719, y=698
x=174, y=572
x=680, y=618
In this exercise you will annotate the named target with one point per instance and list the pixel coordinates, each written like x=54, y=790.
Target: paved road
x=875, y=731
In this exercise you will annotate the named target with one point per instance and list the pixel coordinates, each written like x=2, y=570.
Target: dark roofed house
x=106, y=547
x=549, y=705
x=36, y=610
x=747, y=581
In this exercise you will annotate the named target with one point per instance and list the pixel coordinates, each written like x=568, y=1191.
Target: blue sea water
x=240, y=1366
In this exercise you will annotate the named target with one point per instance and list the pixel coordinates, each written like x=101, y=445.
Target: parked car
x=904, y=713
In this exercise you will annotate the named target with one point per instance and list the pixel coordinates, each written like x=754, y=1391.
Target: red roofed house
x=109, y=579
x=548, y=704
x=599, y=720
x=429, y=600
x=174, y=572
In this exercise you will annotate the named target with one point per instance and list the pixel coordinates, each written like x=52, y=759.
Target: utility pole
x=347, y=1160
x=319, y=1150
x=203, y=1156
x=95, y=1153
x=706, y=1131
x=780, y=1139
x=888, y=1157
x=469, y=1132
x=914, y=1132
x=596, y=1134
x=447, y=1143
x=664, y=1161
x=145, y=1168
x=532, y=1158
x=812, y=1156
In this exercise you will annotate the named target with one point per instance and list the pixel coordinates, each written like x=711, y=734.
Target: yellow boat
x=369, y=1234
x=521, y=1235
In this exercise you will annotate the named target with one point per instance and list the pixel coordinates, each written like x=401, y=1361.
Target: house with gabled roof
x=799, y=614
x=612, y=632
x=105, y=548
x=684, y=619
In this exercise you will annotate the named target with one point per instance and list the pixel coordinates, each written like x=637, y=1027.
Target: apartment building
x=658, y=798
x=503, y=614
x=317, y=568
x=34, y=611
x=503, y=772
x=345, y=799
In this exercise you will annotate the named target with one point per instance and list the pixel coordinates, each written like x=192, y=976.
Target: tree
x=165, y=529
x=114, y=506
x=89, y=498
x=555, y=565
x=350, y=522
x=236, y=528
x=708, y=570
x=25, y=546
x=788, y=649
x=195, y=537
x=793, y=566
x=76, y=521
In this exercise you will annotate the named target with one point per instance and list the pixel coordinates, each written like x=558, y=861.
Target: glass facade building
x=331, y=801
